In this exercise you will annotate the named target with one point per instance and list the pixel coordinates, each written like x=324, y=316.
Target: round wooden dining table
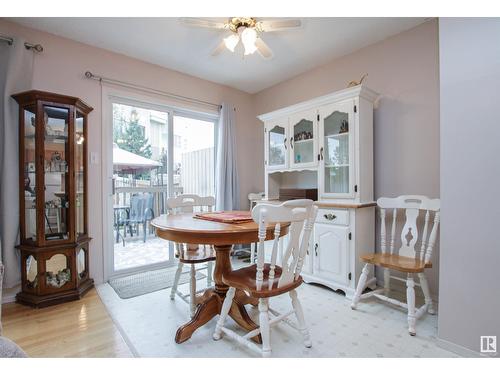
x=184, y=228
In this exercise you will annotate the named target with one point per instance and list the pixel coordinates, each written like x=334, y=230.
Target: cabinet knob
x=316, y=249
x=284, y=142
x=329, y=216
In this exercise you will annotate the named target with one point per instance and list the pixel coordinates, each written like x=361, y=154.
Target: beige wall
x=470, y=305
x=61, y=67
x=404, y=70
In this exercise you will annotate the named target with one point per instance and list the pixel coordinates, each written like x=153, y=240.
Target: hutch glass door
x=302, y=140
x=80, y=171
x=29, y=173
x=277, y=147
x=56, y=176
x=337, y=149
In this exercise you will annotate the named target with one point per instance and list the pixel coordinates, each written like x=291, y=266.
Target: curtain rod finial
x=88, y=74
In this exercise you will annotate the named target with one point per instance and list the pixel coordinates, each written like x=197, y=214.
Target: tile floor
x=376, y=329
x=138, y=253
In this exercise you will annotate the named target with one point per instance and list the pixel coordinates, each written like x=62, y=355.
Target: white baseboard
x=458, y=349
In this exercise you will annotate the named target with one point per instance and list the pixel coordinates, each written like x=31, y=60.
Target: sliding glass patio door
x=153, y=152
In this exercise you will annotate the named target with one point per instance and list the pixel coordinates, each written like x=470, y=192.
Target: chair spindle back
x=301, y=214
x=412, y=206
x=186, y=203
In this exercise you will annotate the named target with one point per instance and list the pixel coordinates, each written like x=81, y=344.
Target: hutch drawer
x=333, y=216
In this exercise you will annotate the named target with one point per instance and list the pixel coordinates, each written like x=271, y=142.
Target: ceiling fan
x=248, y=30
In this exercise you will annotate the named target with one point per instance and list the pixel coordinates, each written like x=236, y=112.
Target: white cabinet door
x=276, y=133
x=336, y=142
x=331, y=249
x=303, y=139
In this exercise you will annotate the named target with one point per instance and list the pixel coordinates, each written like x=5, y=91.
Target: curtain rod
x=33, y=47
x=90, y=75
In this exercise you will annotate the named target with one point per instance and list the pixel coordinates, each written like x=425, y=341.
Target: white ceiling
x=169, y=43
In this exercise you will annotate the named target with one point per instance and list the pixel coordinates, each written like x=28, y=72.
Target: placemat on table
x=227, y=217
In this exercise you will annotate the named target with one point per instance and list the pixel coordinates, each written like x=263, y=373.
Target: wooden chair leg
x=209, y=274
x=176, y=280
x=192, y=290
x=299, y=314
x=427, y=293
x=410, y=300
x=265, y=329
x=226, y=306
x=361, y=286
x=387, y=281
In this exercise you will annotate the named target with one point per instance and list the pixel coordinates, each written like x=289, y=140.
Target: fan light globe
x=231, y=41
x=248, y=38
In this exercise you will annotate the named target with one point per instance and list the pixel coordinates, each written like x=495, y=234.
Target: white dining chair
x=266, y=280
x=188, y=254
x=410, y=254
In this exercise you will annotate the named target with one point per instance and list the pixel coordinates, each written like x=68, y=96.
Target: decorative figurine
x=344, y=127
x=356, y=83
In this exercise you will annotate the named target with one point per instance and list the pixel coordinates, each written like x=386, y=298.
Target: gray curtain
x=16, y=74
x=226, y=180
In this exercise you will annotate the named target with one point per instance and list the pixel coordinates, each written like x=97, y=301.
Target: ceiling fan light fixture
x=231, y=41
x=248, y=38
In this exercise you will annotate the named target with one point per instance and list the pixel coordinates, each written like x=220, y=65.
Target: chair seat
x=245, y=279
x=202, y=254
x=396, y=262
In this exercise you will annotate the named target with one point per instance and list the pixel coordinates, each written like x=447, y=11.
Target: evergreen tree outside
x=133, y=139
x=130, y=137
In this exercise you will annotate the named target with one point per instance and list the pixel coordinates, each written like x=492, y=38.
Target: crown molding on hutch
x=350, y=92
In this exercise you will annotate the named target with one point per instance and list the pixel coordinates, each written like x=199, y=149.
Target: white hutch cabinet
x=327, y=143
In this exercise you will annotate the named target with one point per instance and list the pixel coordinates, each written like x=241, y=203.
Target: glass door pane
x=140, y=178
x=303, y=142
x=57, y=271
x=80, y=172
x=29, y=173
x=194, y=156
x=336, y=143
x=56, y=176
x=277, y=146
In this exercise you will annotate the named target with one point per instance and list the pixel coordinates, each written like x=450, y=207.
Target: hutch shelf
x=53, y=198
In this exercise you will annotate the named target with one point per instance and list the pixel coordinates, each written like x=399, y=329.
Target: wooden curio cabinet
x=53, y=198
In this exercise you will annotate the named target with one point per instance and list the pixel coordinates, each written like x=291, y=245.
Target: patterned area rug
x=149, y=323
x=148, y=282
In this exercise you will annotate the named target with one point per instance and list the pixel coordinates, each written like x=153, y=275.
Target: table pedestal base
x=211, y=307
x=211, y=302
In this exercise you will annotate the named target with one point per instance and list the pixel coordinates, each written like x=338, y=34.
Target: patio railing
x=196, y=177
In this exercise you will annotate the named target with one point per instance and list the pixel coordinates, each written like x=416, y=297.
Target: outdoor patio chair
x=141, y=212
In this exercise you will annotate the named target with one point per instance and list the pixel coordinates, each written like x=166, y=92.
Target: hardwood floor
x=75, y=329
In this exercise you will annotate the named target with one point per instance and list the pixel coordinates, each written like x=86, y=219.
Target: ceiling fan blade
x=278, y=25
x=263, y=48
x=202, y=22
x=217, y=50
